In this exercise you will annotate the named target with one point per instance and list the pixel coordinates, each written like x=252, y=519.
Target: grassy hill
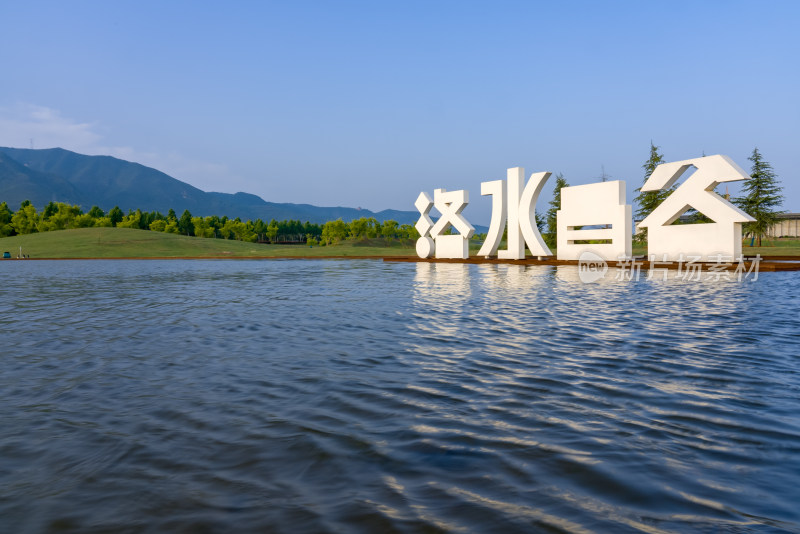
x=129, y=243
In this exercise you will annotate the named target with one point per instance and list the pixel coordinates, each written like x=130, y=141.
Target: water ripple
x=361, y=396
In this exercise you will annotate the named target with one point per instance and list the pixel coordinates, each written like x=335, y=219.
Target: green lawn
x=129, y=243
x=783, y=246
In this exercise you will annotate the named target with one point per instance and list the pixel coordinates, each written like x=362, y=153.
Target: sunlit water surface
x=362, y=396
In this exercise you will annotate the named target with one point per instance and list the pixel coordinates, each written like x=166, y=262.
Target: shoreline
x=767, y=264
x=115, y=258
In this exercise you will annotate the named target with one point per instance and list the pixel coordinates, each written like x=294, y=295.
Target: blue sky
x=369, y=103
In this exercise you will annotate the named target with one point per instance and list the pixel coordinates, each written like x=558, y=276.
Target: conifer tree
x=185, y=225
x=762, y=194
x=649, y=200
x=115, y=215
x=6, y=229
x=550, y=237
x=539, y=222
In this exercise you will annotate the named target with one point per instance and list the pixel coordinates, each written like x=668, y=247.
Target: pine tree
x=185, y=225
x=550, y=237
x=539, y=222
x=649, y=200
x=6, y=229
x=762, y=195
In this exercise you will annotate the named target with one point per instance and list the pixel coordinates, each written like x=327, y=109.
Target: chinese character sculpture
x=433, y=240
x=594, y=219
x=515, y=205
x=602, y=206
x=722, y=237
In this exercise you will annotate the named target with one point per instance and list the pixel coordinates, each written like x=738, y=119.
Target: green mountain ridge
x=58, y=175
x=18, y=183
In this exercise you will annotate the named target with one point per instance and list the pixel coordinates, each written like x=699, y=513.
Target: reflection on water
x=442, y=284
x=326, y=396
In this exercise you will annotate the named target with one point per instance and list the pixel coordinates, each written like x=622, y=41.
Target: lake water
x=362, y=396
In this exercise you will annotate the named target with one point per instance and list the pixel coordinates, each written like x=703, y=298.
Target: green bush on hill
x=61, y=216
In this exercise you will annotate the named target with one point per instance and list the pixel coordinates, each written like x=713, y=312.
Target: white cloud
x=24, y=125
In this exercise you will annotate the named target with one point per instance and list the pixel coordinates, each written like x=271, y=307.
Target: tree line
x=61, y=216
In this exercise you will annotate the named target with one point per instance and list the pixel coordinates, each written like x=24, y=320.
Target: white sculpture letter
x=432, y=236
x=600, y=205
x=722, y=237
x=424, y=225
x=517, y=206
x=499, y=215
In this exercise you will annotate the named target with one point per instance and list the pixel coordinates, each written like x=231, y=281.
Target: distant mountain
x=18, y=182
x=58, y=175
